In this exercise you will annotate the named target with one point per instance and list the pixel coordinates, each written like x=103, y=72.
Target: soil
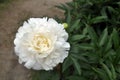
x=10, y=20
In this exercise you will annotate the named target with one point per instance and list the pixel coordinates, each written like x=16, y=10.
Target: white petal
x=29, y=64
x=66, y=45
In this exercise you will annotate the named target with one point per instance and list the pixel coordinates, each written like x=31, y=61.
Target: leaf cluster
x=94, y=38
x=95, y=42
x=97, y=13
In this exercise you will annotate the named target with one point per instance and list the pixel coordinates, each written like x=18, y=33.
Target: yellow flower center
x=41, y=43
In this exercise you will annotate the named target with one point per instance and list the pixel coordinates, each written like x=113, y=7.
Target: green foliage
x=45, y=75
x=3, y=1
x=4, y=4
x=93, y=28
x=94, y=38
x=97, y=13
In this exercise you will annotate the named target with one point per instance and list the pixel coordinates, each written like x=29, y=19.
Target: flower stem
x=61, y=74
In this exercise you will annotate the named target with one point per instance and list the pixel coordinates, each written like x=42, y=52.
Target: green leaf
x=92, y=34
x=77, y=37
x=75, y=78
x=113, y=72
x=44, y=75
x=103, y=37
x=117, y=56
x=111, y=9
x=108, y=44
x=115, y=37
x=98, y=19
x=75, y=25
x=74, y=48
x=70, y=4
x=68, y=17
x=96, y=45
x=79, y=56
x=55, y=76
x=76, y=65
x=107, y=71
x=101, y=73
x=66, y=64
x=103, y=12
x=85, y=31
x=85, y=46
x=109, y=53
x=62, y=7
x=118, y=2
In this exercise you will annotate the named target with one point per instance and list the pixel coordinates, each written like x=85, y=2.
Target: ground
x=11, y=18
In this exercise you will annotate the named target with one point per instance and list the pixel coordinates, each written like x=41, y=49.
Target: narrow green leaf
x=85, y=31
x=42, y=75
x=75, y=25
x=103, y=12
x=77, y=37
x=98, y=19
x=118, y=2
x=117, y=56
x=70, y=4
x=66, y=64
x=111, y=9
x=109, y=44
x=75, y=48
x=101, y=73
x=76, y=65
x=80, y=57
x=103, y=37
x=85, y=46
x=92, y=34
x=113, y=72
x=109, y=54
x=62, y=7
x=107, y=71
x=75, y=78
x=68, y=17
x=115, y=37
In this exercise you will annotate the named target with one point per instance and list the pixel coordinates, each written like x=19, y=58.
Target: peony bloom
x=41, y=44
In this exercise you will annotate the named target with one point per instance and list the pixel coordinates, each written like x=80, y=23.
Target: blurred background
x=12, y=15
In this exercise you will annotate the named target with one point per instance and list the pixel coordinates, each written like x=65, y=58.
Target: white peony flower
x=41, y=43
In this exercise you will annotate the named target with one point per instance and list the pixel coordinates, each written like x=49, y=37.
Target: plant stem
x=61, y=74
